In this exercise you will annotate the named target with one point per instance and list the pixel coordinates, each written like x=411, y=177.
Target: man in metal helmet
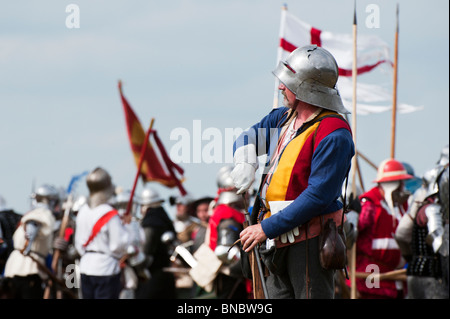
x=185, y=221
x=135, y=266
x=33, y=241
x=46, y=195
x=225, y=224
x=382, y=207
x=423, y=236
x=309, y=148
x=101, y=239
x=155, y=222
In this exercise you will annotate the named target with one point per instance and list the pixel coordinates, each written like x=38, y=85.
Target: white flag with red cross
x=372, y=53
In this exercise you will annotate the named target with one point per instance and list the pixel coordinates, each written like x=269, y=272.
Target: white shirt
x=101, y=256
x=20, y=265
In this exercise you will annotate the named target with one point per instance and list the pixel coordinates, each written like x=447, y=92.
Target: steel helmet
x=99, y=180
x=311, y=73
x=224, y=179
x=150, y=197
x=391, y=170
x=123, y=197
x=46, y=191
x=101, y=188
x=46, y=194
x=229, y=197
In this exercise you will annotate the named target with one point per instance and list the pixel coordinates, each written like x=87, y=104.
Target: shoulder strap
x=99, y=224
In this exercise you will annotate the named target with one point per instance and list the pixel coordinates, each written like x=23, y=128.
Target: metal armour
x=101, y=188
x=122, y=200
x=150, y=197
x=227, y=233
x=46, y=194
x=311, y=73
x=46, y=191
x=443, y=194
x=435, y=226
x=424, y=263
x=229, y=197
x=224, y=179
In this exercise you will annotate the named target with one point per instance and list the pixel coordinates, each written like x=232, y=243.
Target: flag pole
x=394, y=93
x=141, y=160
x=354, y=159
x=280, y=50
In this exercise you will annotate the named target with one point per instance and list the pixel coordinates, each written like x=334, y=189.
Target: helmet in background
x=391, y=170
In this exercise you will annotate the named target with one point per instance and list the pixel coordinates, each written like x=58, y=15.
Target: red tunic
x=376, y=244
x=222, y=212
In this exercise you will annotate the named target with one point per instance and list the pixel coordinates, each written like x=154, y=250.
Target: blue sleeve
x=330, y=163
x=262, y=132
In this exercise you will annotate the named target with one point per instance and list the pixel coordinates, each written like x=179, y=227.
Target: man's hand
x=251, y=236
x=60, y=244
x=126, y=219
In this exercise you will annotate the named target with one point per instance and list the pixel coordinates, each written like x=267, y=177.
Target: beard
x=286, y=102
x=289, y=104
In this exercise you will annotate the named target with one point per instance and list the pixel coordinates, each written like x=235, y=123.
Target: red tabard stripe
x=99, y=224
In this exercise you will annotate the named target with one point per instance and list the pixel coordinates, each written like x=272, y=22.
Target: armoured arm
x=227, y=233
x=403, y=233
x=435, y=226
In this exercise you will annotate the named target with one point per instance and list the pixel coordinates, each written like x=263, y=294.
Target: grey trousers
x=292, y=283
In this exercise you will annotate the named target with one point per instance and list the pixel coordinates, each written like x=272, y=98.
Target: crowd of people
x=297, y=235
x=106, y=253
x=107, y=248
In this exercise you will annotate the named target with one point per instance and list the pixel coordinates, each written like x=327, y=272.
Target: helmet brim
x=393, y=178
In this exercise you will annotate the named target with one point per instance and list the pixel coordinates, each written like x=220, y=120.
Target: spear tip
x=397, y=14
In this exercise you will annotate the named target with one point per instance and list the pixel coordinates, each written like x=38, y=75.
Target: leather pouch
x=332, y=248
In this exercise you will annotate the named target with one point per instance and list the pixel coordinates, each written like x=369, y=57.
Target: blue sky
x=183, y=61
